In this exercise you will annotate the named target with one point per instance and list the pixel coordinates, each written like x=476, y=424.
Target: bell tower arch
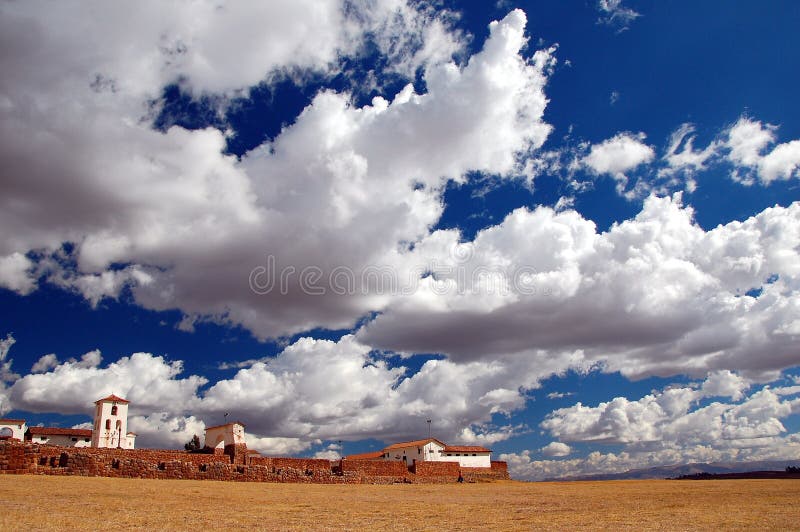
x=110, y=428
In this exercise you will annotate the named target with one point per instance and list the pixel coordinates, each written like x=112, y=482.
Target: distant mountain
x=673, y=471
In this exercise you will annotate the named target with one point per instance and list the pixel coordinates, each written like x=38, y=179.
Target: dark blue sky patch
x=51, y=320
x=718, y=200
x=180, y=108
x=482, y=202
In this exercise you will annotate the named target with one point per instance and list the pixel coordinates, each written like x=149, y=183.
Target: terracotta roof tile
x=12, y=421
x=466, y=449
x=413, y=443
x=112, y=399
x=58, y=431
x=365, y=456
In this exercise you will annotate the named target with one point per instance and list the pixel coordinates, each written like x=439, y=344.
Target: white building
x=467, y=455
x=111, y=424
x=220, y=436
x=60, y=437
x=420, y=450
x=431, y=450
x=13, y=428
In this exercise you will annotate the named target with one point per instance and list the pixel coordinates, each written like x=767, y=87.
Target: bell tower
x=111, y=424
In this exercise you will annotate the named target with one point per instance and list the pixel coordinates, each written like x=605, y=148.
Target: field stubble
x=82, y=503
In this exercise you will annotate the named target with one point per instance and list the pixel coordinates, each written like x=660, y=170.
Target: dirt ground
x=81, y=503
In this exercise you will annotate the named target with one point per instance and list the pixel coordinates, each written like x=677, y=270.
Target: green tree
x=193, y=444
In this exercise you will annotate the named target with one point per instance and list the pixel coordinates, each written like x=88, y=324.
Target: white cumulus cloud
x=668, y=427
x=748, y=141
x=654, y=295
x=181, y=223
x=314, y=390
x=6, y=375
x=617, y=156
x=150, y=382
x=671, y=417
x=556, y=448
x=16, y=273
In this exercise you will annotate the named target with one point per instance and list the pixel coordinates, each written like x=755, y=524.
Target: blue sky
x=567, y=231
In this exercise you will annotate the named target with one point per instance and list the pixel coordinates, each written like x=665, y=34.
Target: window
x=108, y=424
x=86, y=440
x=43, y=438
x=74, y=439
x=114, y=410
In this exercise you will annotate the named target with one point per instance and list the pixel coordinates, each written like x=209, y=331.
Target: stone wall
x=152, y=455
x=436, y=472
x=374, y=471
x=499, y=471
x=234, y=465
x=295, y=469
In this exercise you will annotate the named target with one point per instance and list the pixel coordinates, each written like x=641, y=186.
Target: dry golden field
x=80, y=503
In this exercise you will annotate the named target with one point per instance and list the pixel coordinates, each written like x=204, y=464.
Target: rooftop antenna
x=429, y=429
x=225, y=419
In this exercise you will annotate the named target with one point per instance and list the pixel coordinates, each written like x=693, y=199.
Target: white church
x=110, y=429
x=111, y=424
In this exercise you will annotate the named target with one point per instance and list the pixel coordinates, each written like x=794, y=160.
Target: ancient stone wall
x=498, y=471
x=436, y=472
x=374, y=471
x=153, y=455
x=237, y=453
x=234, y=465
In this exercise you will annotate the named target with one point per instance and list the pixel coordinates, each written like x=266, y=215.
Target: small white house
x=111, y=424
x=60, y=437
x=467, y=455
x=419, y=450
x=13, y=428
x=432, y=450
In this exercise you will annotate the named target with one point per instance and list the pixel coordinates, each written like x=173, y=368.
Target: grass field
x=81, y=503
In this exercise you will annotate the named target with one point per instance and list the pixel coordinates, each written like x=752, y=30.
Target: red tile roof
x=57, y=431
x=466, y=449
x=12, y=421
x=413, y=443
x=365, y=456
x=112, y=399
